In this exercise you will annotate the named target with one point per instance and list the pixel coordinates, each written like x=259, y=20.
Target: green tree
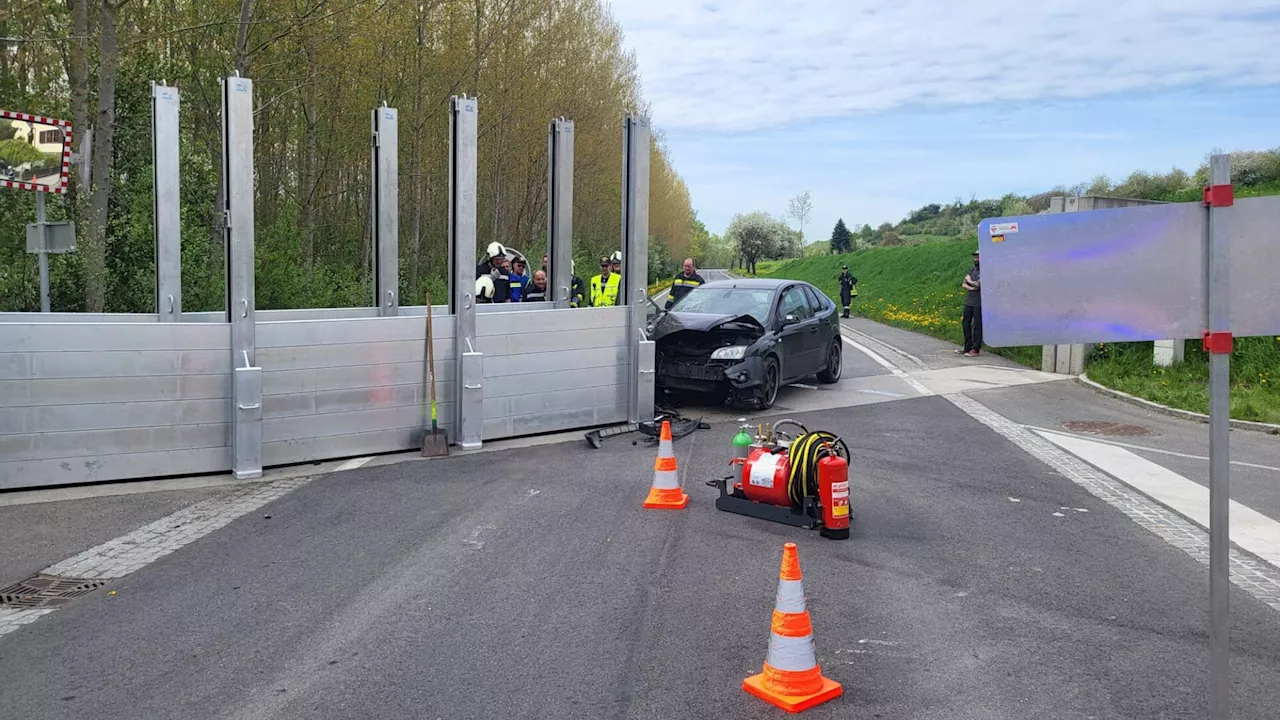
x=841, y=240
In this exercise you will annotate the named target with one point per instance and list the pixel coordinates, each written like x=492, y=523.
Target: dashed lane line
x=897, y=372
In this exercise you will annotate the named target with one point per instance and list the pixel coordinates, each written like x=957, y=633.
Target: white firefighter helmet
x=496, y=249
x=484, y=287
x=616, y=256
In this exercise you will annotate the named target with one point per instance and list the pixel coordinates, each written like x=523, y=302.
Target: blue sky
x=877, y=108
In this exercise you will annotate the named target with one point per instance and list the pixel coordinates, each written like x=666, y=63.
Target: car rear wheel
x=831, y=373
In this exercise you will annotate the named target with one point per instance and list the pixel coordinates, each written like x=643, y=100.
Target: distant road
x=709, y=275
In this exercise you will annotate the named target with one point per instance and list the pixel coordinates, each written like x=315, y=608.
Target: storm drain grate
x=46, y=590
x=1098, y=427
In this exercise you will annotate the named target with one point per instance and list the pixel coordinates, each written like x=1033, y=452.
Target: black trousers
x=845, y=299
x=972, y=324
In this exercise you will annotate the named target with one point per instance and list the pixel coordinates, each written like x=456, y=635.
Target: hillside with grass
x=909, y=276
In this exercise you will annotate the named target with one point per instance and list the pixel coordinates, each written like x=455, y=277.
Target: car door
x=827, y=330
x=798, y=336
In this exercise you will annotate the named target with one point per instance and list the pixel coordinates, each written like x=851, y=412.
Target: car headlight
x=735, y=352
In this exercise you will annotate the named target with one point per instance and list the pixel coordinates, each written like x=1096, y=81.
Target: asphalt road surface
x=979, y=583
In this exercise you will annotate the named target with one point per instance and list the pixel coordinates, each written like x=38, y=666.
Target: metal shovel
x=434, y=443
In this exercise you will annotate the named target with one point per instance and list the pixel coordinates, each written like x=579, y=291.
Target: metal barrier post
x=463, y=148
x=560, y=211
x=237, y=176
x=166, y=201
x=386, y=211
x=635, y=270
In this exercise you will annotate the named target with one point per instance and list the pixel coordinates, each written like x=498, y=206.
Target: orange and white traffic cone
x=791, y=679
x=665, y=492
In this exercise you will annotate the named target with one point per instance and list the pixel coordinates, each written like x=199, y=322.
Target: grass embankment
x=917, y=287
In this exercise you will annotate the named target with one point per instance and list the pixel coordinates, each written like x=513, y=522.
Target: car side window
x=815, y=303
x=794, y=303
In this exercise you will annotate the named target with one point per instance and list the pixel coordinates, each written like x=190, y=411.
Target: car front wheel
x=831, y=373
x=769, y=384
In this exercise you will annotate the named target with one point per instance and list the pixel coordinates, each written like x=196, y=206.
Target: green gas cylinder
x=742, y=441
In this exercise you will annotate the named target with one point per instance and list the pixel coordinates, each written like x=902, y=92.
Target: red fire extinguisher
x=833, y=491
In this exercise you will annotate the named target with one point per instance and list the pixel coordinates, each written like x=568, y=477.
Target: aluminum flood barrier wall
x=546, y=371
x=108, y=401
x=96, y=397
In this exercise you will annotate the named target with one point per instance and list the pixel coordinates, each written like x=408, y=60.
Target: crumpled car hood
x=674, y=322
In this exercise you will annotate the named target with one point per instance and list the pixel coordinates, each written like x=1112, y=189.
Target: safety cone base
x=792, y=703
x=659, y=500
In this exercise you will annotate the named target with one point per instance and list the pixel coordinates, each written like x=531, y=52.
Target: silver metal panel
x=1254, y=246
x=552, y=342
x=554, y=381
x=553, y=403
x=340, y=446
x=635, y=242
x=89, y=337
x=1115, y=275
x=540, y=423
x=43, y=473
x=370, y=377
x=106, y=416
x=167, y=201
x=534, y=364
x=463, y=154
x=117, y=441
x=111, y=364
x=354, y=331
x=30, y=317
x=560, y=211
x=386, y=211
x=470, y=409
x=89, y=391
x=247, y=453
x=304, y=427
x=306, y=357
x=647, y=379
x=342, y=401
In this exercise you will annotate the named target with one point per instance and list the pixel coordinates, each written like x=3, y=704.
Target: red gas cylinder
x=833, y=491
x=764, y=477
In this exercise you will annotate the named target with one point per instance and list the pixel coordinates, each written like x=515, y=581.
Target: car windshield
x=727, y=301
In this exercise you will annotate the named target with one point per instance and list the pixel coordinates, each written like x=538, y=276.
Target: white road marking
x=885, y=393
x=1258, y=578
x=897, y=372
x=473, y=539
x=806, y=387
x=128, y=553
x=1250, y=529
x=1145, y=448
x=352, y=464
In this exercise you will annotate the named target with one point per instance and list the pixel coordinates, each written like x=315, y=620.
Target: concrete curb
x=1268, y=428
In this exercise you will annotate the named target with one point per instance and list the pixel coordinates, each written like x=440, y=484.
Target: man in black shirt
x=684, y=282
x=972, y=321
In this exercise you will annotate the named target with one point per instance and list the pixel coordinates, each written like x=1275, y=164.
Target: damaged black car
x=741, y=340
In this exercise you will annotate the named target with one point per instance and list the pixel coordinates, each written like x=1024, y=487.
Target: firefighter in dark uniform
x=496, y=269
x=848, y=288
x=537, y=290
x=684, y=282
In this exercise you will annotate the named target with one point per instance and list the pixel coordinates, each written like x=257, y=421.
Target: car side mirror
x=790, y=320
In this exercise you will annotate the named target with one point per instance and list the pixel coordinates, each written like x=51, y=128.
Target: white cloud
x=726, y=65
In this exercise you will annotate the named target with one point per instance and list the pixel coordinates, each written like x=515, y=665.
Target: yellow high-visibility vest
x=608, y=295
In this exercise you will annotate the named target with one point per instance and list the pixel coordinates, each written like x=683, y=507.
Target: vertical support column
x=237, y=176
x=560, y=211
x=43, y=249
x=386, y=212
x=1169, y=352
x=166, y=201
x=1218, y=196
x=463, y=150
x=635, y=268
